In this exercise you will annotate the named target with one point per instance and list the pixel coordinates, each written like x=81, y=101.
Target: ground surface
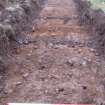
x=57, y=65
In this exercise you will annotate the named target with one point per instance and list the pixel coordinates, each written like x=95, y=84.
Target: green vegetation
x=98, y=4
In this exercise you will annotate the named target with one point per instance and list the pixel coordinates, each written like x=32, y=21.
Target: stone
x=25, y=75
x=70, y=62
x=18, y=83
x=83, y=62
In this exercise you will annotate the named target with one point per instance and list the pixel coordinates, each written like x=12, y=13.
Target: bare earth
x=57, y=65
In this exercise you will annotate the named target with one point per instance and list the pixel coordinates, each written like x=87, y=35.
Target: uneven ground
x=58, y=64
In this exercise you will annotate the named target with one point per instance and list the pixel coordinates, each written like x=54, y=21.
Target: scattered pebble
x=97, y=54
x=92, y=50
x=8, y=91
x=25, y=75
x=59, y=90
x=35, y=47
x=87, y=59
x=18, y=83
x=60, y=46
x=83, y=62
x=79, y=50
x=50, y=45
x=29, y=54
x=70, y=62
x=1, y=77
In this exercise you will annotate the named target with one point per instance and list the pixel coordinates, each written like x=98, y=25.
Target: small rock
x=83, y=62
x=60, y=46
x=1, y=58
x=17, y=51
x=70, y=62
x=79, y=50
x=89, y=60
x=96, y=54
x=26, y=42
x=1, y=77
x=92, y=50
x=18, y=83
x=35, y=47
x=29, y=54
x=60, y=90
x=7, y=91
x=25, y=75
x=50, y=45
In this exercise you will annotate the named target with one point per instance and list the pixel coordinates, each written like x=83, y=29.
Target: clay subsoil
x=59, y=63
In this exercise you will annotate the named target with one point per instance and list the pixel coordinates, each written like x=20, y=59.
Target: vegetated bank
x=93, y=16
x=16, y=18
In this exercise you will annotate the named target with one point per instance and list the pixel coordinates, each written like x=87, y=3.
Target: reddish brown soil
x=57, y=65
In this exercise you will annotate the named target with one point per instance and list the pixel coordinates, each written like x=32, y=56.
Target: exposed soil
x=56, y=62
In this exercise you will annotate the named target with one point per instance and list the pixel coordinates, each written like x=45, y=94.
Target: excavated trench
x=55, y=56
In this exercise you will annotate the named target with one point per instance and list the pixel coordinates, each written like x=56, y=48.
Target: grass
x=98, y=4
